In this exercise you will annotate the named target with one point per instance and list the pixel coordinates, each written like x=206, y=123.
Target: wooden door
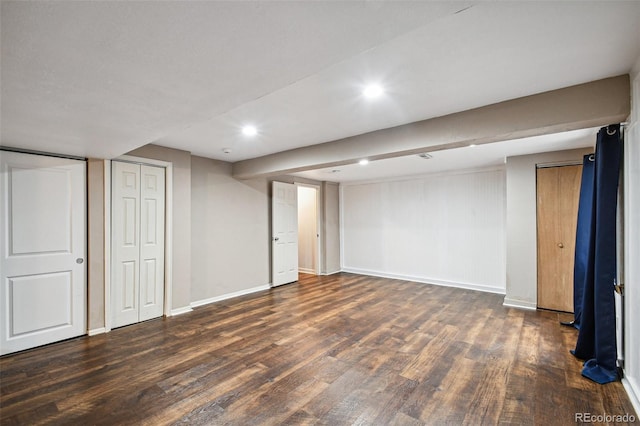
x=137, y=242
x=558, y=193
x=284, y=224
x=43, y=250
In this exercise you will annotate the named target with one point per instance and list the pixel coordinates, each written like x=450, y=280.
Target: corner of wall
x=519, y=304
x=635, y=71
x=331, y=227
x=95, y=244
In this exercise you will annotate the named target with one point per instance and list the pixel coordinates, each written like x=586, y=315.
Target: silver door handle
x=276, y=239
x=79, y=261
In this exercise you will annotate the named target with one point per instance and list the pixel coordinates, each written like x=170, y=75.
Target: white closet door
x=125, y=242
x=43, y=234
x=152, y=242
x=138, y=205
x=284, y=215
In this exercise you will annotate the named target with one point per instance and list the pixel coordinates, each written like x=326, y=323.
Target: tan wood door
x=558, y=190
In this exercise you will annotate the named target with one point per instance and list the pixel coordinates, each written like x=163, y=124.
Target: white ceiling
x=101, y=78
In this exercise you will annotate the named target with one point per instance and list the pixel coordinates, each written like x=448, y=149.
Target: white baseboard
x=180, y=311
x=95, y=331
x=519, y=304
x=331, y=273
x=633, y=391
x=230, y=295
x=307, y=271
x=468, y=286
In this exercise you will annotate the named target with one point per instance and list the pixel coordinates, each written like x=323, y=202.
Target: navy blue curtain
x=597, y=336
x=583, y=233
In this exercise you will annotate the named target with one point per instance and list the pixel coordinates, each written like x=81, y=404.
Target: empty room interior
x=327, y=212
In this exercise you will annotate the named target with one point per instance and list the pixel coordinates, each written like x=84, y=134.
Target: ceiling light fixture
x=363, y=162
x=249, y=130
x=425, y=155
x=472, y=145
x=372, y=91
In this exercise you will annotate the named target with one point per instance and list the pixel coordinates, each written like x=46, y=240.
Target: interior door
x=137, y=228
x=43, y=234
x=152, y=196
x=558, y=193
x=125, y=242
x=284, y=225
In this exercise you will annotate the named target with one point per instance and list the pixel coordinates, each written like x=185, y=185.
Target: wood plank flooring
x=338, y=350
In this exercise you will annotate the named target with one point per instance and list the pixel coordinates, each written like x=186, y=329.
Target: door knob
x=79, y=261
x=560, y=245
x=276, y=239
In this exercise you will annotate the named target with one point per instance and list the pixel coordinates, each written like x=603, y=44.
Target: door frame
x=168, y=230
x=318, y=223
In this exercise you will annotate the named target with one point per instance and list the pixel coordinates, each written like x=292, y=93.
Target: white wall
x=446, y=229
x=522, y=266
x=230, y=232
x=307, y=229
x=631, y=166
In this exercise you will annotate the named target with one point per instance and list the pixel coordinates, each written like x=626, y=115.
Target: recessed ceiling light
x=363, y=162
x=372, y=91
x=249, y=130
x=472, y=145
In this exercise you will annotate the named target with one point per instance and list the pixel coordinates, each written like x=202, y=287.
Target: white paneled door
x=284, y=223
x=43, y=235
x=138, y=208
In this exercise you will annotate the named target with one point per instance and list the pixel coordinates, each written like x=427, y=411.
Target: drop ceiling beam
x=597, y=103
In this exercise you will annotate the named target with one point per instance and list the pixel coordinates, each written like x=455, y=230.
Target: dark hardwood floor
x=337, y=350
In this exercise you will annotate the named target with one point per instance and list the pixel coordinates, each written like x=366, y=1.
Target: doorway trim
x=168, y=239
x=319, y=222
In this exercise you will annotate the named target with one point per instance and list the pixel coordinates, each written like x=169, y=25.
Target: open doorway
x=308, y=230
